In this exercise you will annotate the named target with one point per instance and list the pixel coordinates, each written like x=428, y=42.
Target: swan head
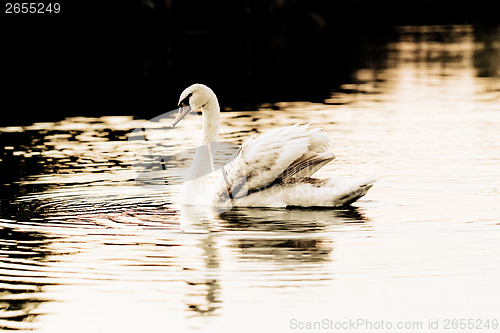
x=195, y=97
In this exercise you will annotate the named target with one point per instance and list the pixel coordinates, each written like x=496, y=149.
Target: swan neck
x=196, y=186
x=210, y=122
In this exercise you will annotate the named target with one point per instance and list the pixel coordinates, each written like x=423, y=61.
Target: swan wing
x=306, y=165
x=276, y=155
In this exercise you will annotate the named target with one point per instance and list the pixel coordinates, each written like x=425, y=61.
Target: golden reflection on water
x=103, y=253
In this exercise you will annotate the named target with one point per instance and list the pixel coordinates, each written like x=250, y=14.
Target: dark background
x=128, y=57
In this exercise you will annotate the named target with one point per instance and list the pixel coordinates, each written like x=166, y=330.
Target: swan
x=271, y=169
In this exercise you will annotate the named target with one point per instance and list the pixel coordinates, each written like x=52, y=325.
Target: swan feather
x=275, y=157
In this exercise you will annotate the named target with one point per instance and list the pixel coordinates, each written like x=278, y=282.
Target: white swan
x=273, y=169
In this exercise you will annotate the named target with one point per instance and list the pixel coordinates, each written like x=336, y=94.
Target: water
x=83, y=248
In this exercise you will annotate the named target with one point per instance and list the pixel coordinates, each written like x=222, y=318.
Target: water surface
x=83, y=248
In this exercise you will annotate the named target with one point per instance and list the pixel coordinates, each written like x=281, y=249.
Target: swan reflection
x=264, y=244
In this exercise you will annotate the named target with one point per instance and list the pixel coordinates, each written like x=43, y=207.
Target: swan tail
x=353, y=195
x=313, y=192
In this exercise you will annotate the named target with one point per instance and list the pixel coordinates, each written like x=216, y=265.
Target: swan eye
x=185, y=101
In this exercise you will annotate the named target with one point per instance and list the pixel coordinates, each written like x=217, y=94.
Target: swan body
x=272, y=169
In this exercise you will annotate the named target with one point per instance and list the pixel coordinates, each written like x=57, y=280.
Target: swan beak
x=183, y=111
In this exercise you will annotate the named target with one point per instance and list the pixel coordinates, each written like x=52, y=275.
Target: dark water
x=83, y=248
